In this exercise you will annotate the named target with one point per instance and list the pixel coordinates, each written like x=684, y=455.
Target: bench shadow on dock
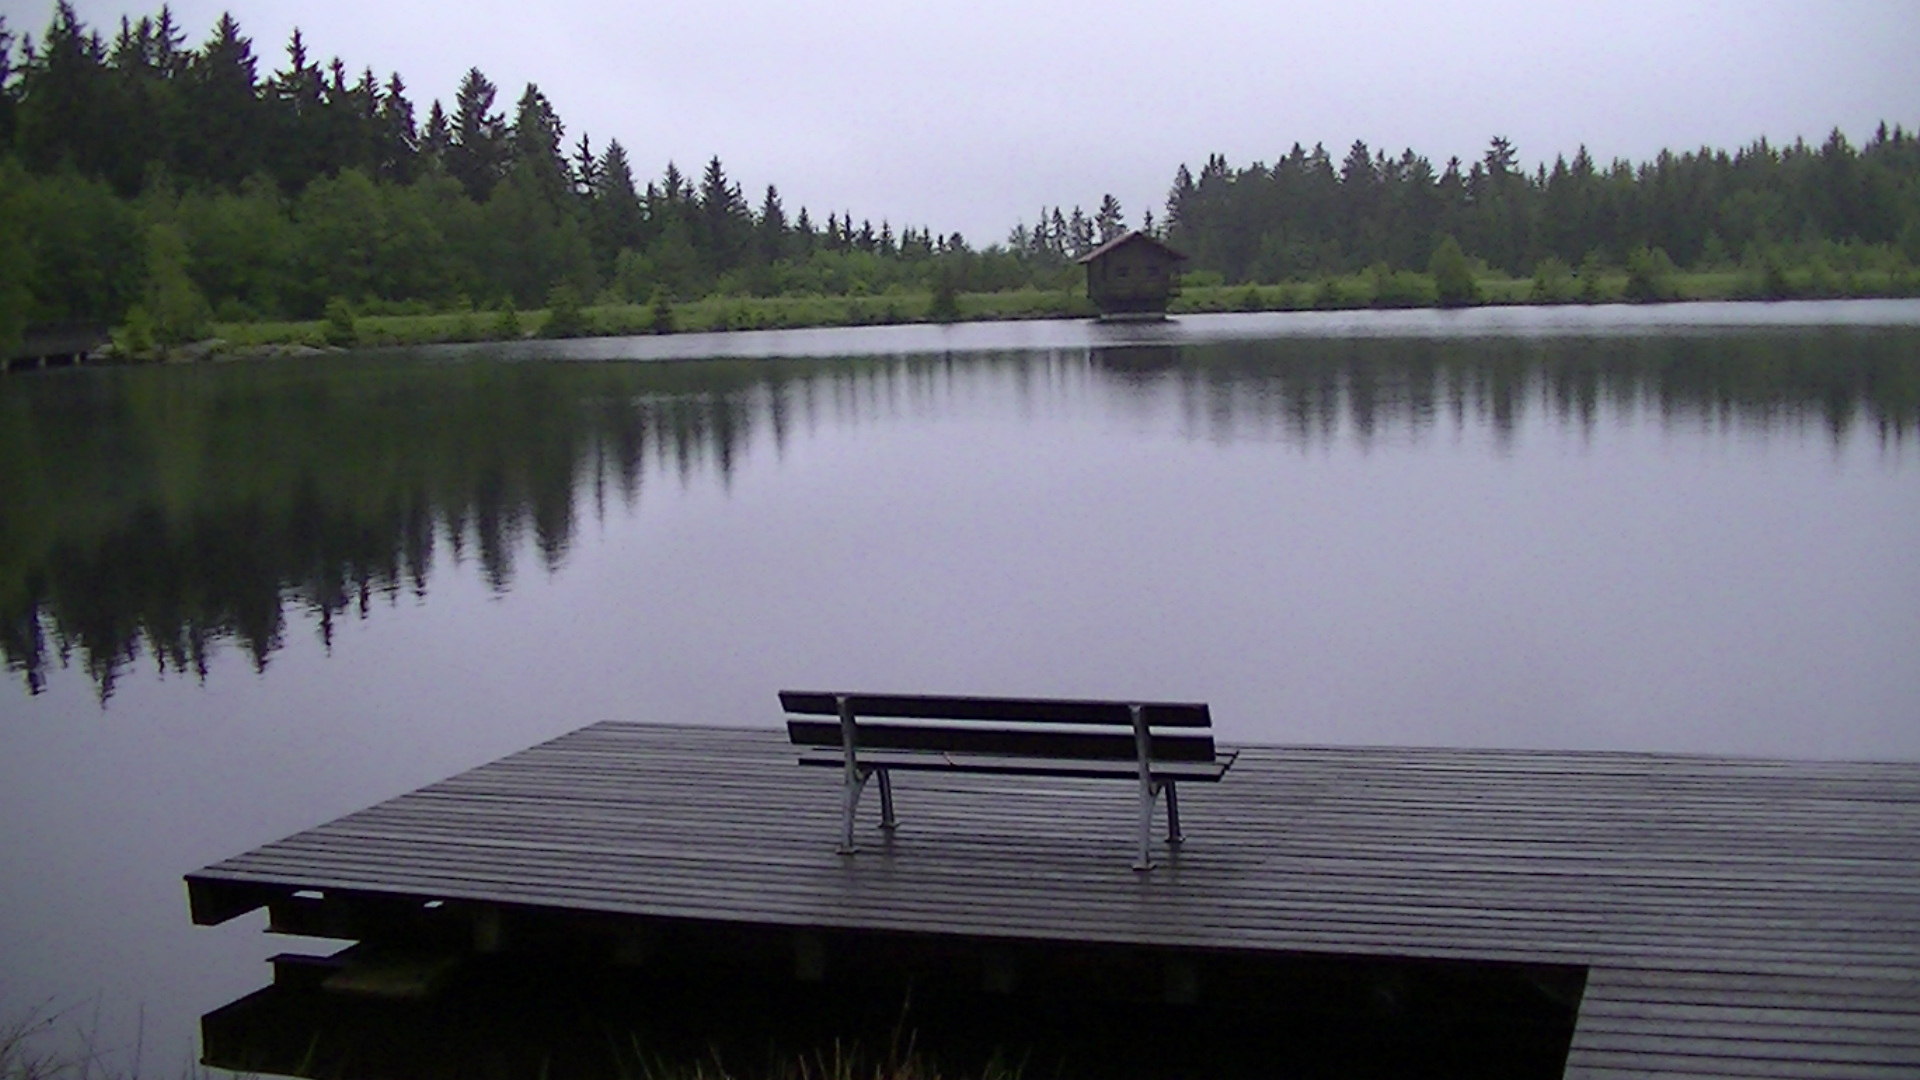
x=1629, y=914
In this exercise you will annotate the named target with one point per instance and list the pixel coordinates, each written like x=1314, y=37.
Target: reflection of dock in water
x=1728, y=916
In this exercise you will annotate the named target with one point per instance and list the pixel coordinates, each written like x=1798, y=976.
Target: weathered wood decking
x=1737, y=917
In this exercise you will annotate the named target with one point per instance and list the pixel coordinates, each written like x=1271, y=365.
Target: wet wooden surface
x=1738, y=916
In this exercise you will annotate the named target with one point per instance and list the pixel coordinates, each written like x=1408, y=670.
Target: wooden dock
x=1734, y=917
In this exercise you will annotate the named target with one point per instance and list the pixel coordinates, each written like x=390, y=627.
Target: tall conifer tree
x=221, y=109
x=436, y=138
x=478, y=152
x=396, y=139
x=1109, y=222
x=617, y=216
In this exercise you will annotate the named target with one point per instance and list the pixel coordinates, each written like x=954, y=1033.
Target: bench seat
x=1198, y=771
x=1153, y=744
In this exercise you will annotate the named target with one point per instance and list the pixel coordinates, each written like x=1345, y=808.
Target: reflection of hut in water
x=1137, y=359
x=1132, y=277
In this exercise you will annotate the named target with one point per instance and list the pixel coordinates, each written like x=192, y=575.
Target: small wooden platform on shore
x=1734, y=917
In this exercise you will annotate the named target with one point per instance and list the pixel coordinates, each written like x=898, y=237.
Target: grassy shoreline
x=1371, y=290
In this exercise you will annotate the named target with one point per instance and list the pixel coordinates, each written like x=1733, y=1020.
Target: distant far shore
x=395, y=325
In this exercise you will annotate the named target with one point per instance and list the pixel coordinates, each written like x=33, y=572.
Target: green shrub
x=232, y=309
x=1650, y=276
x=1553, y=282
x=135, y=336
x=180, y=312
x=660, y=312
x=1593, y=277
x=1773, y=278
x=563, y=313
x=341, y=329
x=1453, y=280
x=1398, y=288
x=506, y=325
x=946, y=299
x=1821, y=281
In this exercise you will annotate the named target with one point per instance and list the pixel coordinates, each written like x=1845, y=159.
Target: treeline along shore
x=182, y=193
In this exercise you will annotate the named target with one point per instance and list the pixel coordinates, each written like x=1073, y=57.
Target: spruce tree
x=478, y=153
x=536, y=138
x=221, y=141
x=1181, y=194
x=803, y=232
x=396, y=139
x=435, y=139
x=63, y=98
x=586, y=168
x=1109, y=221
x=1079, y=234
x=770, y=227
x=142, y=108
x=724, y=217
x=296, y=118
x=616, y=216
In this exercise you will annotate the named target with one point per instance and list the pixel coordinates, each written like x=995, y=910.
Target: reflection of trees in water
x=166, y=511
x=1310, y=391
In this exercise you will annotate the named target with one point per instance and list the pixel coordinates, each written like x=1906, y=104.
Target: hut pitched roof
x=1131, y=237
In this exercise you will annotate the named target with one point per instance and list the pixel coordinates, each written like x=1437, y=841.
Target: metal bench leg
x=1173, y=813
x=856, y=774
x=886, y=800
x=1148, y=790
x=1143, y=749
x=856, y=780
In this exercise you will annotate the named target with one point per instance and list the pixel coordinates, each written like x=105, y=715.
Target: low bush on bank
x=1648, y=278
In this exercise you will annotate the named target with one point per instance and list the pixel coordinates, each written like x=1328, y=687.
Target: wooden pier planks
x=1739, y=917
x=1636, y=1023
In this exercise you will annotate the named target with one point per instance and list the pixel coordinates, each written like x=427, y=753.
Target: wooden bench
x=1153, y=743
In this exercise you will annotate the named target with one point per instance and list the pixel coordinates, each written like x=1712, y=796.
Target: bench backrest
x=1022, y=727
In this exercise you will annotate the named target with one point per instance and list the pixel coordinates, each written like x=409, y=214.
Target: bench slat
x=1090, y=745
x=1194, y=771
x=1004, y=710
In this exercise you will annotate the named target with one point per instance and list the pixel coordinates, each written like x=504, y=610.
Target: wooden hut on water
x=1132, y=277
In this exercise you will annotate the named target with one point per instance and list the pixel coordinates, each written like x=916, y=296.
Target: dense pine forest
x=164, y=187
x=1305, y=214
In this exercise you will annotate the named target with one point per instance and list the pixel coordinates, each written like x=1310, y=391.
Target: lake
x=241, y=599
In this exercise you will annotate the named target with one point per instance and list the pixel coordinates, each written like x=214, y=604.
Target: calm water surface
x=240, y=600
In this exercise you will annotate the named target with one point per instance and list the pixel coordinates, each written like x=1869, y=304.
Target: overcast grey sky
x=971, y=115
